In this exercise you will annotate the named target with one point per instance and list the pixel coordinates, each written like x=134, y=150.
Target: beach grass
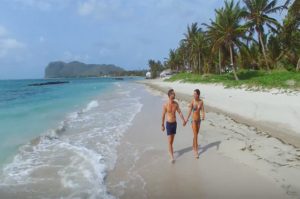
x=250, y=79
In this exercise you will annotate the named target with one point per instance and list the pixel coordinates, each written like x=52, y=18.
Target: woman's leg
x=195, y=138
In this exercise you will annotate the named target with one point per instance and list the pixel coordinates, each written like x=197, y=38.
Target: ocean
x=58, y=141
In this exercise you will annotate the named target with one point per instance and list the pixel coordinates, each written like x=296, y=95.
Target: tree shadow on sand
x=201, y=149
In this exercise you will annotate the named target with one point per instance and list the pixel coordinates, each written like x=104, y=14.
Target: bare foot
x=172, y=161
x=196, y=155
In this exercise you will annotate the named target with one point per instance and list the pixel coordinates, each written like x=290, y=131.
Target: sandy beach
x=236, y=160
x=273, y=111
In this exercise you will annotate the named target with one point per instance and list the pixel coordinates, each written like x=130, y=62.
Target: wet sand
x=236, y=160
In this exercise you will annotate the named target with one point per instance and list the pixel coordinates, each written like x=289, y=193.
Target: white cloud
x=104, y=52
x=69, y=56
x=105, y=9
x=86, y=8
x=42, y=4
x=3, y=31
x=7, y=43
x=155, y=13
x=41, y=39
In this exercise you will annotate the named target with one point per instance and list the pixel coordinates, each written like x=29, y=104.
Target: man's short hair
x=170, y=92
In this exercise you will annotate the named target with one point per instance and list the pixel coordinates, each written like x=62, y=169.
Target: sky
x=126, y=33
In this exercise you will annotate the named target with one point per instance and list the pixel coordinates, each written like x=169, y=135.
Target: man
x=170, y=108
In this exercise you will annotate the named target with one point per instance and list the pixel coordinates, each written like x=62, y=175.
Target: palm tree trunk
x=220, y=61
x=199, y=63
x=263, y=50
x=298, y=65
x=231, y=59
x=183, y=62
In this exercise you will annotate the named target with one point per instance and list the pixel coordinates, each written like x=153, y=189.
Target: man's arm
x=163, y=118
x=181, y=115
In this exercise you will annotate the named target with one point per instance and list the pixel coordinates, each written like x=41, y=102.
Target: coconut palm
x=198, y=50
x=174, y=62
x=188, y=42
x=258, y=12
x=290, y=33
x=227, y=29
x=155, y=67
x=294, y=8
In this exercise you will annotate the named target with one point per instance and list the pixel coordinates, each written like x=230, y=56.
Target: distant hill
x=78, y=69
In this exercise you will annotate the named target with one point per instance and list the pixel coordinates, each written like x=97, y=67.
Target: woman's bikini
x=195, y=108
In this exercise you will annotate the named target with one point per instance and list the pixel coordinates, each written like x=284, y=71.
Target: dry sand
x=236, y=160
x=272, y=111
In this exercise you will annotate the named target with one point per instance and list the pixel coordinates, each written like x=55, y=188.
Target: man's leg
x=171, y=140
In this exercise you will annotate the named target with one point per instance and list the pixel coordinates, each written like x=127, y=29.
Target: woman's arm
x=190, y=111
x=202, y=110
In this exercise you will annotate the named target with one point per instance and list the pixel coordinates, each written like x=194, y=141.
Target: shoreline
x=70, y=159
x=275, y=129
x=224, y=169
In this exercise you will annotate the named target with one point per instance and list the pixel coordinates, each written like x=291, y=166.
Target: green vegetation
x=243, y=44
x=140, y=73
x=156, y=67
x=274, y=79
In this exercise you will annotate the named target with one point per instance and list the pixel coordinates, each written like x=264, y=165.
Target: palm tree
x=227, y=30
x=155, y=67
x=275, y=49
x=171, y=61
x=212, y=36
x=183, y=54
x=174, y=61
x=294, y=8
x=199, y=48
x=257, y=17
x=249, y=55
x=290, y=34
x=188, y=41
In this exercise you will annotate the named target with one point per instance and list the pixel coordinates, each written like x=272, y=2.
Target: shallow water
x=68, y=156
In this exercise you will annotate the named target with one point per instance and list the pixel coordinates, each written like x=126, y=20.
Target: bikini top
x=195, y=107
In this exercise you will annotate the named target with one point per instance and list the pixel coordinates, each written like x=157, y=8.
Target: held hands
x=163, y=128
x=184, y=122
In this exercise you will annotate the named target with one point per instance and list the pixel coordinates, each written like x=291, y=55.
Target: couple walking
x=195, y=107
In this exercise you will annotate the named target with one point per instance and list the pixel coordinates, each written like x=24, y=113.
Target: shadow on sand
x=201, y=149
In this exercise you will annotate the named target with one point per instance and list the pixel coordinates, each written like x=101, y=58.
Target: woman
x=195, y=107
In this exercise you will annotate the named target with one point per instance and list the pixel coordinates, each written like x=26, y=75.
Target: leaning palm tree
x=258, y=12
x=227, y=29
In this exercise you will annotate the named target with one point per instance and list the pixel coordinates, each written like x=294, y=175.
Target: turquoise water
x=59, y=141
x=29, y=111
